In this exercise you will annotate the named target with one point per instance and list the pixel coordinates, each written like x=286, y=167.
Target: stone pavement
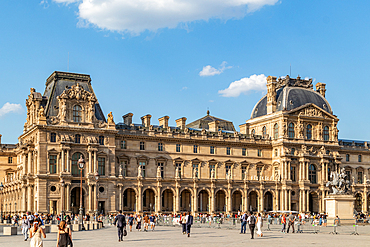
x=171, y=236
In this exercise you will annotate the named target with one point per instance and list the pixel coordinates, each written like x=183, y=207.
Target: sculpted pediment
x=311, y=110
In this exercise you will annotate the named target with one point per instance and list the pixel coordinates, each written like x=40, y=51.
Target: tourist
x=36, y=234
x=131, y=221
x=325, y=220
x=183, y=223
x=243, y=221
x=25, y=227
x=146, y=223
x=138, y=222
x=291, y=220
x=64, y=238
x=283, y=223
x=189, y=222
x=152, y=222
x=259, y=225
x=252, y=223
x=120, y=222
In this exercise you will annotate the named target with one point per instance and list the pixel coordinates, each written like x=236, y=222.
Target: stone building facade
x=280, y=159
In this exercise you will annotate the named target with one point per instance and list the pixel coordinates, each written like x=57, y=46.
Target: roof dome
x=290, y=96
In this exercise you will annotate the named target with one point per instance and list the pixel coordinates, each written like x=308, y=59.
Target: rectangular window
x=178, y=148
x=142, y=146
x=195, y=171
x=359, y=178
x=77, y=138
x=212, y=150
x=101, y=166
x=101, y=140
x=53, y=137
x=123, y=145
x=347, y=157
x=142, y=165
x=292, y=173
x=244, y=172
x=244, y=152
x=212, y=170
x=259, y=152
x=228, y=150
x=360, y=158
x=195, y=149
x=160, y=146
x=10, y=160
x=178, y=166
x=348, y=173
x=53, y=164
x=161, y=166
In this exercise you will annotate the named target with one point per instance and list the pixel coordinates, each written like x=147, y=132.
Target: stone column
x=177, y=204
x=139, y=201
x=62, y=196
x=29, y=158
x=308, y=200
x=63, y=163
x=195, y=201
x=90, y=163
x=288, y=167
x=289, y=200
x=29, y=200
x=120, y=206
x=212, y=202
x=158, y=200
x=364, y=196
x=300, y=202
x=68, y=196
x=95, y=165
x=306, y=171
x=24, y=199
x=95, y=199
x=229, y=201
x=262, y=200
x=68, y=162
x=90, y=198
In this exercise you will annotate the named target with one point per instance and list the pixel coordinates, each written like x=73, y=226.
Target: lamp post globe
x=81, y=164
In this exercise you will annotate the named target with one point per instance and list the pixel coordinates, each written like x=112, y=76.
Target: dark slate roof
x=60, y=81
x=202, y=123
x=289, y=98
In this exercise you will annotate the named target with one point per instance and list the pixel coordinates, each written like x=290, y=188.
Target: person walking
x=189, y=222
x=138, y=223
x=283, y=223
x=120, y=222
x=146, y=223
x=25, y=227
x=291, y=220
x=131, y=221
x=36, y=234
x=243, y=222
x=183, y=223
x=152, y=222
x=64, y=238
x=259, y=225
x=252, y=224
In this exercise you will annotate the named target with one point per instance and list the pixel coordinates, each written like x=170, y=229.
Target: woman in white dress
x=259, y=225
x=35, y=235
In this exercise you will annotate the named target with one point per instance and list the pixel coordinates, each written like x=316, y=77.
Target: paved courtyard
x=171, y=236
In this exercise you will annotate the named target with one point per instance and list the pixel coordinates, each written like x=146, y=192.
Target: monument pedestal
x=341, y=206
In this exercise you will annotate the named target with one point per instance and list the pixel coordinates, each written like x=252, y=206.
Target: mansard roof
x=58, y=82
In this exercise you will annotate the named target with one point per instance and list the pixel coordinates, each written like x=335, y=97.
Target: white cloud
x=136, y=16
x=254, y=82
x=210, y=71
x=9, y=107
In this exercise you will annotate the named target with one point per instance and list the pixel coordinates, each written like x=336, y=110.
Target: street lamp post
x=1, y=209
x=81, y=164
x=96, y=199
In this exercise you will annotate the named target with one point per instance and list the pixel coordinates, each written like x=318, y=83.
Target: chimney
x=146, y=120
x=213, y=126
x=0, y=138
x=181, y=123
x=127, y=119
x=163, y=121
x=271, y=94
x=244, y=128
x=320, y=87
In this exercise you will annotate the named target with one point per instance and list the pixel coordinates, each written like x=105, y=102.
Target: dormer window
x=77, y=112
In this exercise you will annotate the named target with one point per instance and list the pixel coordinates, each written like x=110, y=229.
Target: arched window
x=101, y=140
x=75, y=167
x=253, y=132
x=312, y=174
x=77, y=112
x=53, y=137
x=276, y=131
x=309, y=132
x=326, y=133
x=291, y=130
x=264, y=131
x=77, y=138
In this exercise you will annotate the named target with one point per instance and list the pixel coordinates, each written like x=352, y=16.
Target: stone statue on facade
x=41, y=112
x=339, y=183
x=177, y=172
x=213, y=174
x=110, y=118
x=139, y=175
x=159, y=172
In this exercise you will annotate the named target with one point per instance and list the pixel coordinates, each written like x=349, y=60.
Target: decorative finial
x=208, y=112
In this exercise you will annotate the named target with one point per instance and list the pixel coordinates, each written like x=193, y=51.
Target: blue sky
x=148, y=58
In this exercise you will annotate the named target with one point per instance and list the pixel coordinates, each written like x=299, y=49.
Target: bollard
x=334, y=230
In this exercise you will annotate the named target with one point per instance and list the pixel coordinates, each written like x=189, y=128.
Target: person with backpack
x=252, y=224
